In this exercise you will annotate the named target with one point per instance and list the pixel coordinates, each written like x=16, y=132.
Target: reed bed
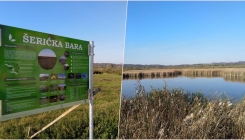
x=176, y=114
x=215, y=72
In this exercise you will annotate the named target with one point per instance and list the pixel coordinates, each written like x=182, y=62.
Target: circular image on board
x=62, y=60
x=47, y=59
x=67, y=53
x=66, y=67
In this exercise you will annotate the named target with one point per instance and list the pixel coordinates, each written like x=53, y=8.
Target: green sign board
x=40, y=72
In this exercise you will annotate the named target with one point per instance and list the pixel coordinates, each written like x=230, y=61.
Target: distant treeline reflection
x=233, y=76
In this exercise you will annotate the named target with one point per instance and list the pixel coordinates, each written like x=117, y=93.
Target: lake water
x=208, y=86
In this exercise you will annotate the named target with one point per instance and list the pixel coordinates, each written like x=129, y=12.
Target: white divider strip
x=0, y=108
x=0, y=37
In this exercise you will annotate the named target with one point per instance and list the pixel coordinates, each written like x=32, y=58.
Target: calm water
x=208, y=86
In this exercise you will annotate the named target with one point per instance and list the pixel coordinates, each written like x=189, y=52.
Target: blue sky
x=172, y=33
x=47, y=53
x=101, y=22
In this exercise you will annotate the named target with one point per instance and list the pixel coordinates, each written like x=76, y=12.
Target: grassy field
x=109, y=69
x=76, y=124
x=176, y=114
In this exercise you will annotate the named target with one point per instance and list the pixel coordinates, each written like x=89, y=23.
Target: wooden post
x=61, y=116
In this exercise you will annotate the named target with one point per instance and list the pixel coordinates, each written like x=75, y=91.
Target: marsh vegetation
x=227, y=73
x=177, y=114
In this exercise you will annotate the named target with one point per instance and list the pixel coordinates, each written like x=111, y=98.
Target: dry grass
x=185, y=69
x=236, y=74
x=165, y=114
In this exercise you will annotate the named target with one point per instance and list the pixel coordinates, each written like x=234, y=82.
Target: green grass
x=111, y=69
x=75, y=125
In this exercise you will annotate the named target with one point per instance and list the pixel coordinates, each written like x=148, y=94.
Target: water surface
x=208, y=86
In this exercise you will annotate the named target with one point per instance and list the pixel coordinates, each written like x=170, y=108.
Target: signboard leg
x=91, y=65
x=61, y=116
